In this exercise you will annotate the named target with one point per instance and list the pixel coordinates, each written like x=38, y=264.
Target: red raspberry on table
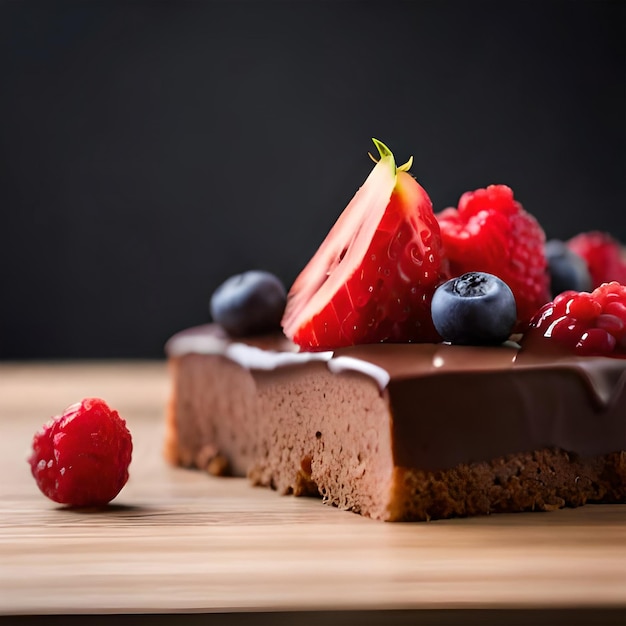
x=587, y=324
x=491, y=232
x=81, y=458
x=603, y=254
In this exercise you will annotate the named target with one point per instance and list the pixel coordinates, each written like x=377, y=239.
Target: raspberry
x=603, y=255
x=587, y=324
x=81, y=458
x=491, y=232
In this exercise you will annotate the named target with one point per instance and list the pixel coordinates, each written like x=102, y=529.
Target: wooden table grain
x=179, y=542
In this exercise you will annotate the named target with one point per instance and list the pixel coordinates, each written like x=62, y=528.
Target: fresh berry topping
x=566, y=269
x=251, y=303
x=604, y=257
x=491, y=232
x=373, y=277
x=474, y=309
x=587, y=324
x=81, y=458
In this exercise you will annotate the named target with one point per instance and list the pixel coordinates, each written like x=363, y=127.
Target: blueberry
x=567, y=270
x=249, y=304
x=474, y=309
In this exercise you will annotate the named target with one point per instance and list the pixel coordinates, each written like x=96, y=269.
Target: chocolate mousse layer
x=401, y=432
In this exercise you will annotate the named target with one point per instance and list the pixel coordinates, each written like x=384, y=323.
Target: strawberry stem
x=405, y=167
x=385, y=152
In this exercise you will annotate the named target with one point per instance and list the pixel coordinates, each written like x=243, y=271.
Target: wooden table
x=218, y=551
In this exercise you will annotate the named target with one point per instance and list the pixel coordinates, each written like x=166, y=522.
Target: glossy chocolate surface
x=459, y=404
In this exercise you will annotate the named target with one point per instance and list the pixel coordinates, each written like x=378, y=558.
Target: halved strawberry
x=373, y=277
x=491, y=232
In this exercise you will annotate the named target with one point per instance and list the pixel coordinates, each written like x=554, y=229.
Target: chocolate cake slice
x=401, y=432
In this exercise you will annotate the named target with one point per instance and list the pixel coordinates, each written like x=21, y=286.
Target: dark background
x=150, y=150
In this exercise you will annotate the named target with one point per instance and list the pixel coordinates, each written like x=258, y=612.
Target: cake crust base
x=543, y=480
